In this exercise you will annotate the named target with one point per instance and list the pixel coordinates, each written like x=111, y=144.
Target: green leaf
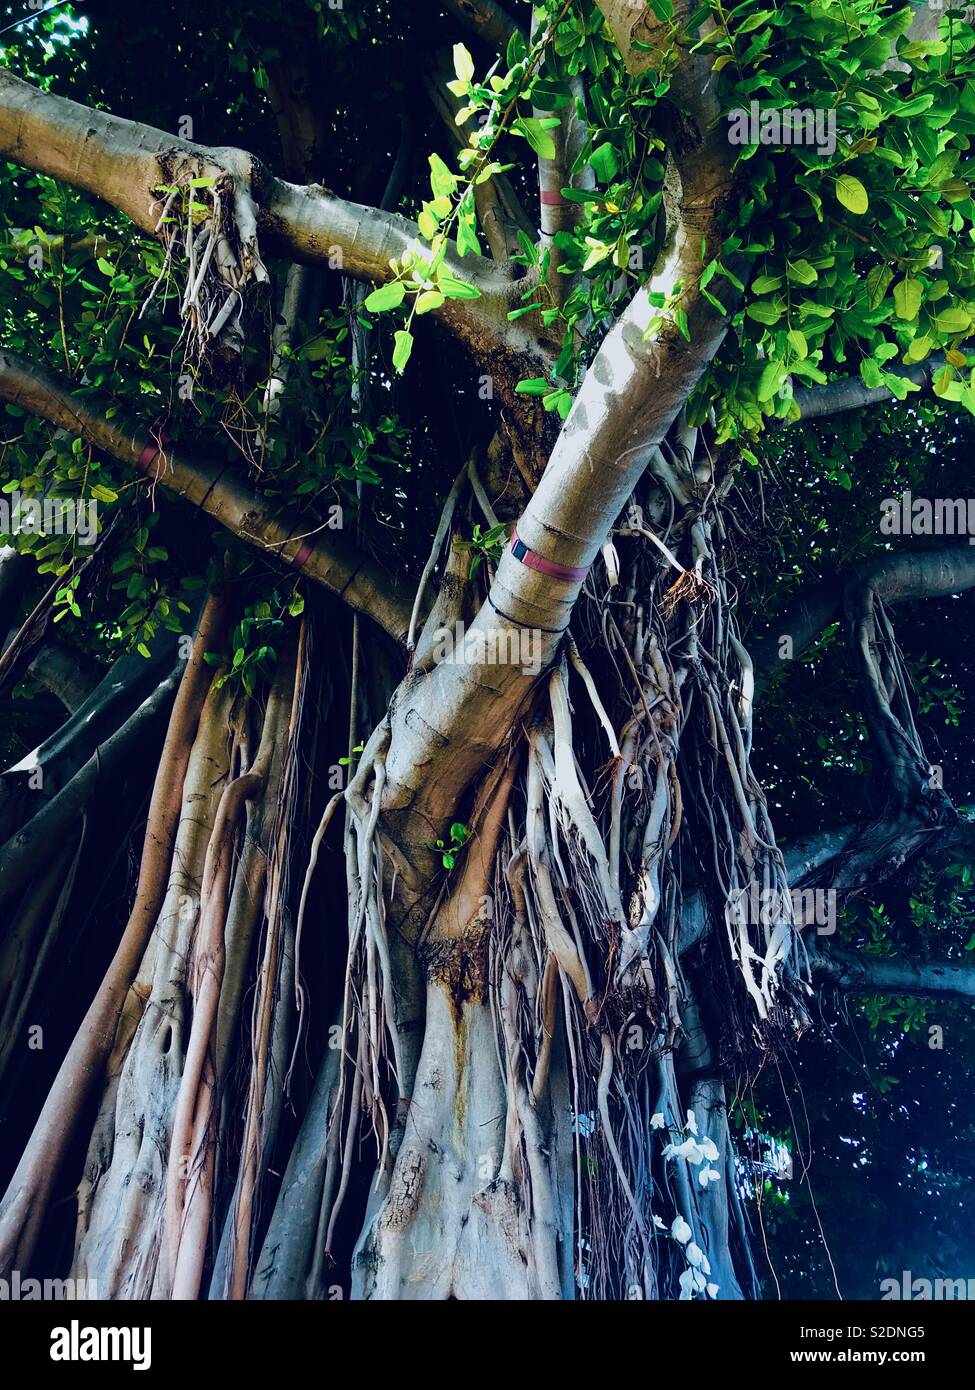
x=852, y=194
x=801, y=272
x=871, y=374
x=402, y=348
x=533, y=386
x=456, y=289
x=798, y=343
x=764, y=313
x=603, y=162
x=770, y=380
x=429, y=299
x=956, y=320
x=385, y=297
x=878, y=280
x=918, y=350
x=463, y=63
x=537, y=136
x=467, y=239
x=442, y=181
x=907, y=298
x=427, y=223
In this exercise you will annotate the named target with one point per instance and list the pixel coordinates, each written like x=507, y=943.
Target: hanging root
x=208, y=219
x=541, y=1146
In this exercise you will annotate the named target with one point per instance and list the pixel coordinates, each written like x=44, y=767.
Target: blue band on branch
x=529, y=627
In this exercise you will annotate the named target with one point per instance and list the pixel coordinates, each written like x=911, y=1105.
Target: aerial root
x=208, y=217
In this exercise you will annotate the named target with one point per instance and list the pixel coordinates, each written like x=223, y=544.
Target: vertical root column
x=459, y=1218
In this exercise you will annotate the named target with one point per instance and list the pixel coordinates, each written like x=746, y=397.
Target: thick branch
x=212, y=487
x=850, y=393
x=639, y=380
x=871, y=975
x=125, y=162
x=892, y=578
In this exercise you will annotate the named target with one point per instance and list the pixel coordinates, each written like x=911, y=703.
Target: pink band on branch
x=533, y=561
x=553, y=200
x=149, y=453
x=300, y=557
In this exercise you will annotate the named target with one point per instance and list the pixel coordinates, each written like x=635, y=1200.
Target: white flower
x=687, y=1284
x=659, y=1224
x=688, y=1150
x=691, y=1122
x=707, y=1175
x=680, y=1230
x=697, y=1258
x=699, y=1281
x=713, y=1290
x=709, y=1149
x=657, y=1121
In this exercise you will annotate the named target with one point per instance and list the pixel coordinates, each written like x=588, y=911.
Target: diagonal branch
x=634, y=389
x=213, y=487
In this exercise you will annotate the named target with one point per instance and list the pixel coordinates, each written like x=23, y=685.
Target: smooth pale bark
x=633, y=392
x=851, y=393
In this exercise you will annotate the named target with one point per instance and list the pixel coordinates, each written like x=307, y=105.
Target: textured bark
x=122, y=1200
x=454, y=1223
